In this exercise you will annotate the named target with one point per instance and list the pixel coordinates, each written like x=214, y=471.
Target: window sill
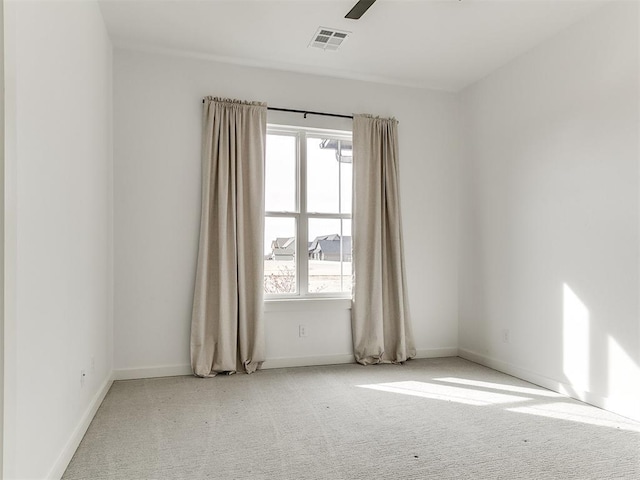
x=306, y=304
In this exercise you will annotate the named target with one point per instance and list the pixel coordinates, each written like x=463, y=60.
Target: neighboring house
x=283, y=248
x=328, y=247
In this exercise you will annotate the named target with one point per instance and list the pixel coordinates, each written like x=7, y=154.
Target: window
x=307, y=243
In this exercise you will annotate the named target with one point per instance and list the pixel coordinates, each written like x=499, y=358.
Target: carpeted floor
x=427, y=419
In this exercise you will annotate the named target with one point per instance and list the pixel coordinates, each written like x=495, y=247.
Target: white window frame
x=301, y=215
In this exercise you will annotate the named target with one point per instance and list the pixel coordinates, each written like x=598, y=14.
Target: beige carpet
x=428, y=419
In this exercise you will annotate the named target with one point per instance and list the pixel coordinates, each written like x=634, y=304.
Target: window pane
x=280, y=174
x=323, y=172
x=346, y=170
x=329, y=250
x=279, y=255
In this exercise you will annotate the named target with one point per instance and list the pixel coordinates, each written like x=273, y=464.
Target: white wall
x=157, y=108
x=2, y=243
x=549, y=230
x=58, y=234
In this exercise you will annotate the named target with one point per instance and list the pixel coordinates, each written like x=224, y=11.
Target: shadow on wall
x=580, y=365
x=576, y=326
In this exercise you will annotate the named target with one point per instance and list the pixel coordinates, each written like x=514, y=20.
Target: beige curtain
x=380, y=316
x=227, y=320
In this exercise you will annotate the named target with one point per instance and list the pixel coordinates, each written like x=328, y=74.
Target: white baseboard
x=629, y=408
x=307, y=361
x=283, y=362
x=437, y=352
x=345, y=358
x=152, y=372
x=70, y=448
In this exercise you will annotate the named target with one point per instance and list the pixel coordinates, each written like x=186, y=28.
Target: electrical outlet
x=505, y=335
x=83, y=376
x=302, y=331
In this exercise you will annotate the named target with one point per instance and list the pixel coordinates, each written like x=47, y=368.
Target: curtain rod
x=307, y=112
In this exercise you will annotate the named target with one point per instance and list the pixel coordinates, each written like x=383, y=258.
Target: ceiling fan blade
x=359, y=8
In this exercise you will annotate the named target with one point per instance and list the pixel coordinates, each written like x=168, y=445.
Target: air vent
x=328, y=38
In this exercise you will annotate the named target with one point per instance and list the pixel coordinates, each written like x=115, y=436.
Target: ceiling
x=439, y=44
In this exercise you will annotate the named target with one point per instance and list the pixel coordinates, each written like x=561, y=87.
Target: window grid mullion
x=281, y=214
x=339, y=155
x=303, y=223
x=337, y=216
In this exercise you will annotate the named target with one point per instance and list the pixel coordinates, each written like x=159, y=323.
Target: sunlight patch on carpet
x=446, y=393
x=580, y=413
x=539, y=392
